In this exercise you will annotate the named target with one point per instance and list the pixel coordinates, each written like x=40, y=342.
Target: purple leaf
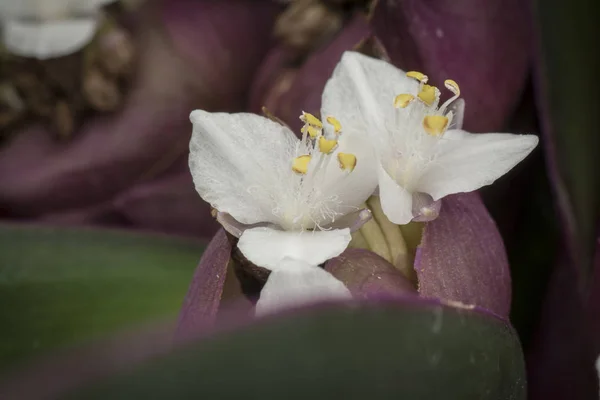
x=204, y=295
x=168, y=204
x=462, y=257
x=594, y=300
x=368, y=275
x=111, y=153
x=224, y=42
x=286, y=92
x=482, y=45
x=560, y=360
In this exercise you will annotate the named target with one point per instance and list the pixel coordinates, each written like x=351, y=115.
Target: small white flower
x=49, y=28
x=422, y=153
x=292, y=202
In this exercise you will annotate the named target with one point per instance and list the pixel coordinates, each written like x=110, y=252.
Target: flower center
x=315, y=202
x=434, y=120
x=419, y=126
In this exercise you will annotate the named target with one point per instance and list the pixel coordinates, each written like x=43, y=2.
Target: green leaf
x=414, y=349
x=60, y=286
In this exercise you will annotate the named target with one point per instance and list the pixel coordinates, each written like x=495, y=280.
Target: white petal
x=241, y=164
x=354, y=188
x=466, y=162
x=49, y=9
x=396, y=201
x=295, y=283
x=361, y=92
x=50, y=39
x=267, y=247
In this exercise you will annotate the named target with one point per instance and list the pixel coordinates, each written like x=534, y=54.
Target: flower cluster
x=293, y=202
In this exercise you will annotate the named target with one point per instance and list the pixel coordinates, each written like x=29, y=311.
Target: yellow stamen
x=421, y=77
x=311, y=130
x=311, y=120
x=452, y=86
x=337, y=127
x=347, y=161
x=435, y=125
x=327, y=146
x=300, y=164
x=428, y=94
x=403, y=100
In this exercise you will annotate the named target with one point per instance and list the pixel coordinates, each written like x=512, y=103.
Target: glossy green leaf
x=413, y=349
x=60, y=286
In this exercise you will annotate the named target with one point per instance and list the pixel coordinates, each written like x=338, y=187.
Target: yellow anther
x=435, y=125
x=452, y=86
x=300, y=164
x=327, y=146
x=428, y=94
x=421, y=77
x=311, y=130
x=403, y=100
x=347, y=161
x=337, y=127
x=311, y=120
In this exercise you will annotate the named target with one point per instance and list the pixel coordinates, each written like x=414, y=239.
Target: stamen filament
x=455, y=89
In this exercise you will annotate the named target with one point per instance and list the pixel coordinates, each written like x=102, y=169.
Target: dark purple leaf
x=594, y=301
x=204, y=295
x=462, y=257
x=368, y=275
x=482, y=45
x=110, y=153
x=286, y=91
x=224, y=42
x=169, y=204
x=560, y=360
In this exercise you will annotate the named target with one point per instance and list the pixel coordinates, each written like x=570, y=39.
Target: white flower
x=285, y=198
x=49, y=28
x=422, y=153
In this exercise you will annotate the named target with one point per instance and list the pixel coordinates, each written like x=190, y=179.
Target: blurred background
x=101, y=227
